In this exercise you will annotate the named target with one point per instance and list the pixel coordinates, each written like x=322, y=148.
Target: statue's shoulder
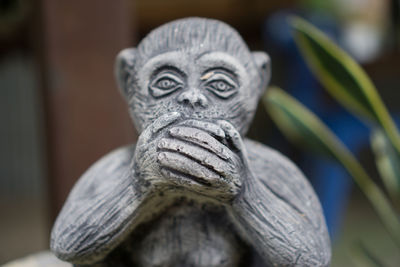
x=90, y=222
x=265, y=157
x=108, y=169
x=271, y=166
x=115, y=160
x=280, y=175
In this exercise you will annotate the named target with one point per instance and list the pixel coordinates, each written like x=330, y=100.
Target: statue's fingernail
x=161, y=144
x=161, y=156
x=174, y=130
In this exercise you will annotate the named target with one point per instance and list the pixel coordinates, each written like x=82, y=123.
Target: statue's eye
x=222, y=86
x=165, y=85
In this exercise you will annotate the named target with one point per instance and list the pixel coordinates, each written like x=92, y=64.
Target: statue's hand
x=204, y=157
x=145, y=164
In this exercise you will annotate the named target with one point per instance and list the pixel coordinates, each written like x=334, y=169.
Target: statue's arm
x=102, y=208
x=278, y=212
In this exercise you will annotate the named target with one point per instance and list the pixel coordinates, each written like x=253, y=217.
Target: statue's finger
x=233, y=137
x=223, y=167
x=202, y=139
x=157, y=125
x=190, y=168
x=179, y=178
x=164, y=121
x=183, y=180
x=212, y=128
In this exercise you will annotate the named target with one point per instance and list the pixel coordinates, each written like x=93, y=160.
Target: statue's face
x=191, y=67
x=207, y=86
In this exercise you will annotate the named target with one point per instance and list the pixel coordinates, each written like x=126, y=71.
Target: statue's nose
x=193, y=98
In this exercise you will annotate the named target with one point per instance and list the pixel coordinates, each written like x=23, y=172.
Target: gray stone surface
x=192, y=191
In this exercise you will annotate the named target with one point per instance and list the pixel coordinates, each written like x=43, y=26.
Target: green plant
x=345, y=80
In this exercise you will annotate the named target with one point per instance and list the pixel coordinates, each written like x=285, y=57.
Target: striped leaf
x=388, y=163
x=343, y=78
x=301, y=126
x=298, y=124
x=364, y=257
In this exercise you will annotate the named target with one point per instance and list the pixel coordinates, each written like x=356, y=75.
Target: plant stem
x=392, y=133
x=374, y=194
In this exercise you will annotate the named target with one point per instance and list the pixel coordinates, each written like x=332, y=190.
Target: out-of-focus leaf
x=298, y=124
x=302, y=126
x=363, y=257
x=388, y=163
x=343, y=78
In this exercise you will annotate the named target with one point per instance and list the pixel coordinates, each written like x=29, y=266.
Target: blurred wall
x=86, y=116
x=60, y=109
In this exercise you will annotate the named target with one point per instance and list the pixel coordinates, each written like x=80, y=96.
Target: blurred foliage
x=327, y=5
x=388, y=163
x=345, y=80
x=362, y=256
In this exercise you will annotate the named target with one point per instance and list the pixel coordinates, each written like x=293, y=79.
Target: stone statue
x=193, y=191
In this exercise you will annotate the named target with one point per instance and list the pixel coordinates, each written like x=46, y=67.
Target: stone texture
x=193, y=191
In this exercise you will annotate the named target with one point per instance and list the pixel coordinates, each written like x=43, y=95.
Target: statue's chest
x=186, y=236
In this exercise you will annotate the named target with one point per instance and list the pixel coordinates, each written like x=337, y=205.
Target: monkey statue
x=193, y=191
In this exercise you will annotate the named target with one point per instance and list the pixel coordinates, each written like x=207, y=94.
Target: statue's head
x=199, y=67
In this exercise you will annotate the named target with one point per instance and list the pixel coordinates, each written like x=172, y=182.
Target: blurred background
x=60, y=109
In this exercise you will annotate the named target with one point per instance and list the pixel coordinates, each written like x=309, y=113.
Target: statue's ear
x=124, y=67
x=263, y=63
